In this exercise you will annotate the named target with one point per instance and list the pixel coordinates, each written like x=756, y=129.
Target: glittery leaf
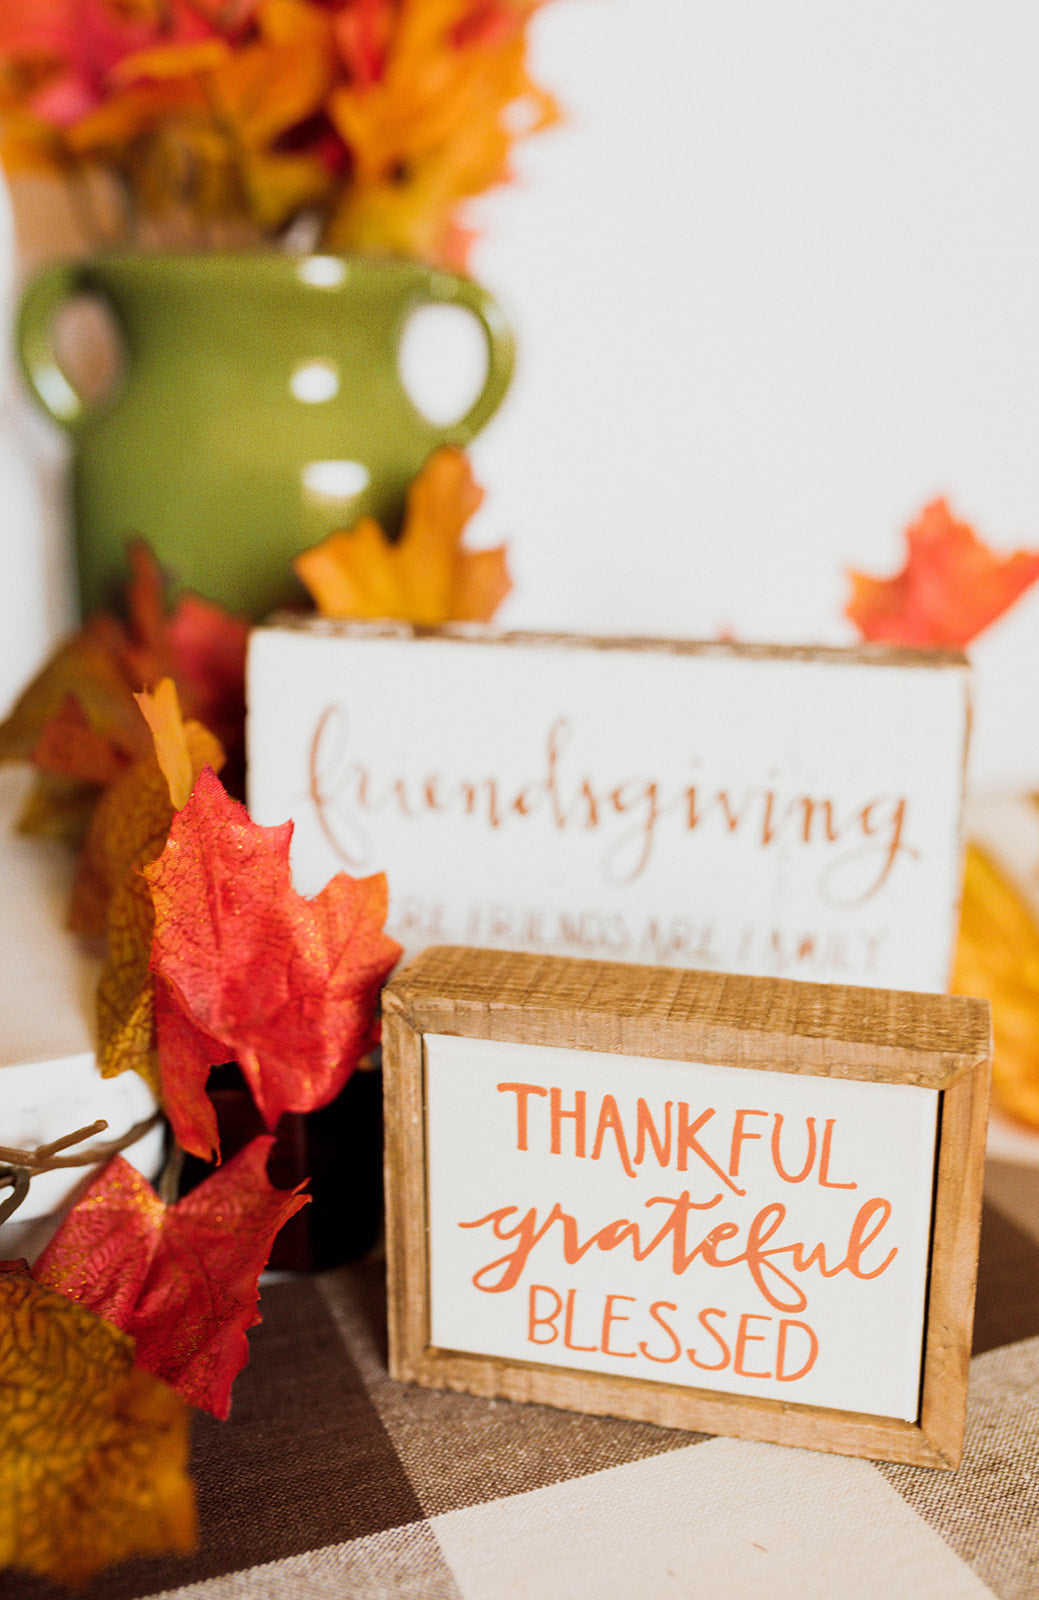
x=288, y=987
x=182, y=1279
x=129, y=829
x=93, y=1450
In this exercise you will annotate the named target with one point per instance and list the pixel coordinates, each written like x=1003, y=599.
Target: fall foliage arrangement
x=371, y=123
x=211, y=957
x=348, y=125
x=342, y=125
x=144, y=1297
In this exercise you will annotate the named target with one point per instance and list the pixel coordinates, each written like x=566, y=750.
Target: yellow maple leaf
x=379, y=119
x=205, y=124
x=93, y=1451
x=435, y=130
x=180, y=748
x=260, y=93
x=426, y=577
x=997, y=958
x=128, y=831
x=187, y=60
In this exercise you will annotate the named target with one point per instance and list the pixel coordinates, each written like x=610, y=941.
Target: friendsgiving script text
x=861, y=841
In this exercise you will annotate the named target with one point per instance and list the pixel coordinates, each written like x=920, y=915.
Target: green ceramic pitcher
x=261, y=407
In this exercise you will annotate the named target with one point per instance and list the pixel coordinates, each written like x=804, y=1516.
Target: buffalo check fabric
x=330, y=1480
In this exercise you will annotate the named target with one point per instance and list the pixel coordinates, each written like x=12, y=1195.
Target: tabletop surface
x=331, y=1480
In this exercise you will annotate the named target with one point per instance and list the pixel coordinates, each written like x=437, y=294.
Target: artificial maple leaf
x=425, y=577
x=207, y=649
x=363, y=32
x=202, y=125
x=274, y=85
x=79, y=46
x=77, y=721
x=481, y=583
x=378, y=119
x=68, y=746
x=433, y=130
x=249, y=970
x=177, y=761
x=997, y=956
x=58, y=808
x=181, y=1280
x=93, y=1449
x=129, y=828
x=199, y=644
x=951, y=587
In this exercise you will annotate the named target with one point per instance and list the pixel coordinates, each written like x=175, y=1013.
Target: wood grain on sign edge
x=672, y=1014
x=773, y=1024
x=881, y=655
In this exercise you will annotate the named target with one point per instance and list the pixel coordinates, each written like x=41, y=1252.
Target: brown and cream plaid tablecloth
x=330, y=1480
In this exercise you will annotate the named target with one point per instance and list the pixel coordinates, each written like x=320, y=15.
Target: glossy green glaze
x=261, y=407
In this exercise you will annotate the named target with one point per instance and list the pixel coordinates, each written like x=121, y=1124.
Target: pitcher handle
x=41, y=300
x=446, y=289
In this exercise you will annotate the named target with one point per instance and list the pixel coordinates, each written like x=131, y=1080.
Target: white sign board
x=745, y=809
x=751, y=1232
x=736, y=1204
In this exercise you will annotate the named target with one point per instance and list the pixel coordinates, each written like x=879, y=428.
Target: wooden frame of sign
x=533, y=1102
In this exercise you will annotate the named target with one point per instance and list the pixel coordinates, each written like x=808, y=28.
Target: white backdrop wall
x=775, y=283
x=36, y=582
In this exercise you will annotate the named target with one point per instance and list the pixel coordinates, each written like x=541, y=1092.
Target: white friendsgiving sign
x=751, y=1232
x=746, y=809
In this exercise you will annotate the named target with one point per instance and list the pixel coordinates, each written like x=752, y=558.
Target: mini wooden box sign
x=745, y=809
x=741, y=1205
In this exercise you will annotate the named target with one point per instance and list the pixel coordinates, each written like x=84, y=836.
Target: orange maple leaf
x=77, y=722
x=433, y=128
x=426, y=577
x=378, y=119
x=181, y=1280
x=951, y=587
x=93, y=1450
x=129, y=829
x=248, y=970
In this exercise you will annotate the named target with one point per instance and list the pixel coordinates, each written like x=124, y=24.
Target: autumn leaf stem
x=169, y=1183
x=37, y=1158
x=18, y=1167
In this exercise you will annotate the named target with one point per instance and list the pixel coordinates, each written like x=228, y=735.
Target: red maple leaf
x=182, y=1279
x=248, y=970
x=78, y=719
x=951, y=587
x=200, y=645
